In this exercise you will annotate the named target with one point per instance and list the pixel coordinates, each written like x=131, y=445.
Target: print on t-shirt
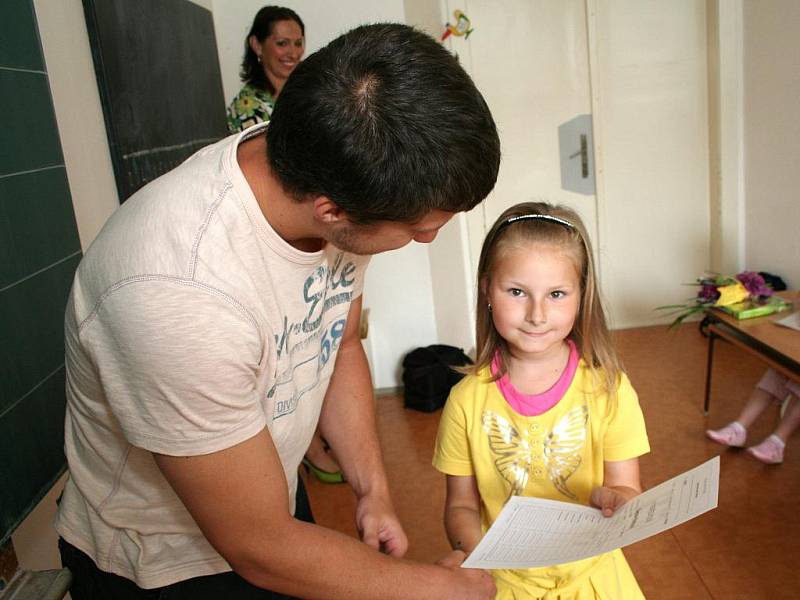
x=307, y=346
x=521, y=454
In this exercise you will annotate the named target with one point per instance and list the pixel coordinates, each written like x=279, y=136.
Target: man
x=214, y=321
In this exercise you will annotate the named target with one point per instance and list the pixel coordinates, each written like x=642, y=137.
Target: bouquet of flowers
x=725, y=292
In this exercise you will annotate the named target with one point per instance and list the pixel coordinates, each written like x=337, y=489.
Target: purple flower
x=755, y=284
x=708, y=292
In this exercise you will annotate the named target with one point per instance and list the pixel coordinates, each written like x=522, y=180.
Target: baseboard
x=388, y=391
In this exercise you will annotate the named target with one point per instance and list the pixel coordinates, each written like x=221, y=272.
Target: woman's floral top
x=252, y=105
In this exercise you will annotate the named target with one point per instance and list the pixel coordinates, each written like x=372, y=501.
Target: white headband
x=558, y=220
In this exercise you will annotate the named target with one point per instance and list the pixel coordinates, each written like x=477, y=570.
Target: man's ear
x=327, y=211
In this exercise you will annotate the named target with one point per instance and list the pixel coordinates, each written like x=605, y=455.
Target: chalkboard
x=39, y=252
x=160, y=86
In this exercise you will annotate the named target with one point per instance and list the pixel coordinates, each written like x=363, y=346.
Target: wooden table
x=777, y=346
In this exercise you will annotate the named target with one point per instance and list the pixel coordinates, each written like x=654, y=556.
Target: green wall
x=39, y=251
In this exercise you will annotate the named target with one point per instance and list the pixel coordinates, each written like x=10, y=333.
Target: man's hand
x=379, y=526
x=471, y=584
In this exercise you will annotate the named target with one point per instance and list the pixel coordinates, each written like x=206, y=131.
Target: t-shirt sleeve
x=626, y=435
x=452, y=452
x=181, y=370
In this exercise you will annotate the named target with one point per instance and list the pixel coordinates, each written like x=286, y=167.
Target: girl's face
x=535, y=296
x=280, y=51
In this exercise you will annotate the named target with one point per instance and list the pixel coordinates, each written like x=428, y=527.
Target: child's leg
x=770, y=451
x=767, y=390
x=791, y=418
x=772, y=387
x=755, y=405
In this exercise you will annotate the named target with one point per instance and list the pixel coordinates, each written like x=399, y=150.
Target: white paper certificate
x=531, y=532
x=792, y=321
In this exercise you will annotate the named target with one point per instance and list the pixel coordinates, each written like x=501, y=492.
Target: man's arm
x=239, y=499
x=348, y=424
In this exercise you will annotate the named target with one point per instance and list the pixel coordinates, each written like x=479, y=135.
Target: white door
x=650, y=103
x=530, y=61
x=639, y=66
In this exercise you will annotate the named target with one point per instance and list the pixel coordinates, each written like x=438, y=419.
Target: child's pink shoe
x=733, y=434
x=770, y=451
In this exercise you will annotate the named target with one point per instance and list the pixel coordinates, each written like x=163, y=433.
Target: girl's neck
x=534, y=404
x=537, y=374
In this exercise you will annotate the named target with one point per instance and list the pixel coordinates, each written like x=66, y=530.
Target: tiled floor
x=748, y=548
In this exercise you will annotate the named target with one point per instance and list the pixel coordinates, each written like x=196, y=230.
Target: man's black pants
x=90, y=583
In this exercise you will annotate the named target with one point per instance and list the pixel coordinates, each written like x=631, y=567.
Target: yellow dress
x=557, y=455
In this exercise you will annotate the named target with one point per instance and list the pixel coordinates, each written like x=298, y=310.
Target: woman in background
x=272, y=50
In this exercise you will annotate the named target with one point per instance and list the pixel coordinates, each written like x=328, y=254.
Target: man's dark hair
x=387, y=124
x=252, y=72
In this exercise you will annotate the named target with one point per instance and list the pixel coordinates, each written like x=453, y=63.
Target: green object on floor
x=322, y=475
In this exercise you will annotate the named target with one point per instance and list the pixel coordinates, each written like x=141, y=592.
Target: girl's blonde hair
x=539, y=222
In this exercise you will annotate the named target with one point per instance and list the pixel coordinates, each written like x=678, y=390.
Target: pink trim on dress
x=531, y=405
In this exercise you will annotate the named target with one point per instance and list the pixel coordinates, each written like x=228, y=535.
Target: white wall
x=771, y=132
x=453, y=285
x=79, y=115
x=451, y=276
x=400, y=301
x=726, y=136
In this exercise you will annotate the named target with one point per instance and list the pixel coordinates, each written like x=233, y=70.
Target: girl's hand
x=621, y=479
x=610, y=499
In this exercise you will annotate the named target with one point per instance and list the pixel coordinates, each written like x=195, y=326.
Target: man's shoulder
x=158, y=232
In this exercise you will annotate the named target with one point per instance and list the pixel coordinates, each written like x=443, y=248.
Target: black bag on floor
x=428, y=377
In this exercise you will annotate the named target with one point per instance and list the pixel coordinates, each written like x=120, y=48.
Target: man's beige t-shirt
x=191, y=326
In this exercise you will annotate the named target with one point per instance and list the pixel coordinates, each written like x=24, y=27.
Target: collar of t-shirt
x=531, y=405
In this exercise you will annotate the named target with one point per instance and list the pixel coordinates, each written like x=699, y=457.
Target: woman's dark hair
x=385, y=122
x=252, y=72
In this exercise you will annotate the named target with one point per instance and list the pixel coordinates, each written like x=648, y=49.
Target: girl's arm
x=462, y=513
x=620, y=484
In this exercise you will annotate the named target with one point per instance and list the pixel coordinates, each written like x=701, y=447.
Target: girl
x=546, y=411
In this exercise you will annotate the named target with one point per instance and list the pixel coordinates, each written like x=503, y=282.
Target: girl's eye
x=515, y=292
x=282, y=43
x=558, y=294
